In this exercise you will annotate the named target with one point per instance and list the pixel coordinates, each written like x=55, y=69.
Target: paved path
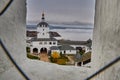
x=71, y=60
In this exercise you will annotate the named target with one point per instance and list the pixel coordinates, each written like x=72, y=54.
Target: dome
x=43, y=24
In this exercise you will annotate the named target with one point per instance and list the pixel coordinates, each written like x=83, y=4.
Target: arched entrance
x=35, y=50
x=43, y=50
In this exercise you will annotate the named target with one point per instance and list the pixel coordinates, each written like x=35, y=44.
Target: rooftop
x=34, y=34
x=66, y=47
x=43, y=23
x=54, y=48
x=43, y=39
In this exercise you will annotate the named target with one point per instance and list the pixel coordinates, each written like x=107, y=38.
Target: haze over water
x=70, y=32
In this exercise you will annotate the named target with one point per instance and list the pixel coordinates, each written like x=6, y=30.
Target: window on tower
x=43, y=25
x=43, y=33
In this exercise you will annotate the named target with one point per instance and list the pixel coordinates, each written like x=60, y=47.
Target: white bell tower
x=43, y=28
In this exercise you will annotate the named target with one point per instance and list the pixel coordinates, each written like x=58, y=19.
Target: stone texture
x=106, y=46
x=12, y=33
x=106, y=38
x=12, y=29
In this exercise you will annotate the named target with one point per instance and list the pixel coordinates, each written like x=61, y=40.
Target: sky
x=59, y=11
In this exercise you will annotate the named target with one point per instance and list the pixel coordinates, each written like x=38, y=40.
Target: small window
x=40, y=42
x=43, y=29
x=31, y=45
x=64, y=52
x=45, y=42
x=43, y=34
x=50, y=43
x=54, y=43
x=44, y=26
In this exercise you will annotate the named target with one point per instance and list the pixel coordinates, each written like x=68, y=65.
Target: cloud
x=61, y=10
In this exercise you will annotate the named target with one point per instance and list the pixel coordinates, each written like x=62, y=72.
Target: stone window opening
x=44, y=33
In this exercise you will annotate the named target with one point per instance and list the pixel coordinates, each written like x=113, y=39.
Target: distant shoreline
x=61, y=27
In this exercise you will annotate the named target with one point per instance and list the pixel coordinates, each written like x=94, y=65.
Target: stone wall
x=106, y=38
x=12, y=28
x=106, y=45
x=12, y=33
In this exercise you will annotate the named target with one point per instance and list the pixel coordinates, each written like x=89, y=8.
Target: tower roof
x=43, y=21
x=43, y=18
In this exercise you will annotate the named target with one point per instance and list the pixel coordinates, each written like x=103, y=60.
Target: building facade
x=43, y=39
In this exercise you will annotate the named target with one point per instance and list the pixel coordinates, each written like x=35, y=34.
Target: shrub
x=28, y=49
x=61, y=61
x=32, y=56
x=53, y=60
x=58, y=58
x=55, y=55
x=61, y=54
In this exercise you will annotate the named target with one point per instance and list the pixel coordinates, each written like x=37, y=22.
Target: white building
x=43, y=29
x=64, y=49
x=43, y=39
x=67, y=49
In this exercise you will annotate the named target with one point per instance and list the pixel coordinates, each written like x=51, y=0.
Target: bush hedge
x=28, y=49
x=61, y=61
x=31, y=56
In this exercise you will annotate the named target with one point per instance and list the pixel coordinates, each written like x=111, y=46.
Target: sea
x=69, y=32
